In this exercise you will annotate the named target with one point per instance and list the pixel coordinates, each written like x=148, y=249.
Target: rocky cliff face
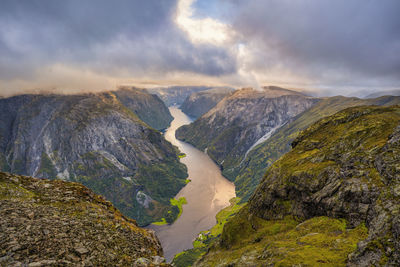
x=250, y=171
x=346, y=167
x=201, y=102
x=96, y=140
x=232, y=127
x=57, y=223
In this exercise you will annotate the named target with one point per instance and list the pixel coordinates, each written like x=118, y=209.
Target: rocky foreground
x=57, y=223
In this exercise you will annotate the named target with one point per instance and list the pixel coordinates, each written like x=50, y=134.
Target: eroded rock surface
x=57, y=223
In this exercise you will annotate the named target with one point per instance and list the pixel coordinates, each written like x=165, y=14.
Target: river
x=206, y=194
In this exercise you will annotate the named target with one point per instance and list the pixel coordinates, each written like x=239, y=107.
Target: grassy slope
x=361, y=133
x=252, y=169
x=287, y=242
x=207, y=238
x=171, y=215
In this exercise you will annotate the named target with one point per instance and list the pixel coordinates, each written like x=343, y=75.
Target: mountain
x=57, y=223
x=199, y=103
x=384, y=93
x=250, y=171
x=332, y=200
x=149, y=108
x=96, y=140
x=176, y=95
x=240, y=120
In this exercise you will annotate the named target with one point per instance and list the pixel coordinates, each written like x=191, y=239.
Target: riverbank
x=207, y=193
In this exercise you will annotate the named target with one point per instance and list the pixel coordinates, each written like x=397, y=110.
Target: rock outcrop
x=96, y=140
x=238, y=121
x=57, y=223
x=346, y=167
x=201, y=102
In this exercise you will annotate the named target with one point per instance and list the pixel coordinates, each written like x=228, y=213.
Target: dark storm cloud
x=335, y=41
x=103, y=36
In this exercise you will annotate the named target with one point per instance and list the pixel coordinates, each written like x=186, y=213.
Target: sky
x=334, y=47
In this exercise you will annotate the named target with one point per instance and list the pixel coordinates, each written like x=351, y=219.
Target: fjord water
x=206, y=194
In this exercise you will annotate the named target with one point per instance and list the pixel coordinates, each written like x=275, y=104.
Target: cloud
x=75, y=45
x=121, y=39
x=334, y=43
x=201, y=30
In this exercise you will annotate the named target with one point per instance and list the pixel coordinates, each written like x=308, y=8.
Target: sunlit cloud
x=201, y=30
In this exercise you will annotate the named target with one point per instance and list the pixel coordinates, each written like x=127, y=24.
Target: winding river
x=206, y=194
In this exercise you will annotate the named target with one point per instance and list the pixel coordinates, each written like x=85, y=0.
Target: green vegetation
x=149, y=108
x=178, y=203
x=287, y=242
x=162, y=222
x=160, y=181
x=47, y=168
x=3, y=163
x=181, y=155
x=207, y=238
x=247, y=172
x=174, y=213
x=137, y=159
x=333, y=162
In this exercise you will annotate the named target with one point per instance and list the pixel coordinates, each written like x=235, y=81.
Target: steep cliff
x=149, y=108
x=96, y=140
x=333, y=199
x=201, y=102
x=237, y=122
x=250, y=171
x=57, y=223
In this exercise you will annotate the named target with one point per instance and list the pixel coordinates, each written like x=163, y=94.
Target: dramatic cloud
x=107, y=41
x=98, y=44
x=331, y=43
